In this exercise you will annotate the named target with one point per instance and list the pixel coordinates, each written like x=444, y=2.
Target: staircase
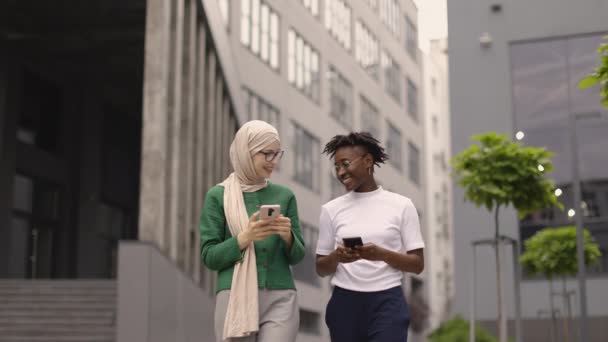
x=57, y=310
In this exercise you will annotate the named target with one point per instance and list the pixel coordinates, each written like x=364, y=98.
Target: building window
x=260, y=31
x=225, y=11
x=414, y=163
x=341, y=98
x=312, y=6
x=337, y=21
x=393, y=146
x=310, y=322
x=544, y=76
x=373, y=4
x=303, y=66
x=435, y=125
x=392, y=76
x=259, y=109
x=336, y=187
x=370, y=118
x=412, y=100
x=367, y=51
x=306, y=160
x=390, y=14
x=411, y=39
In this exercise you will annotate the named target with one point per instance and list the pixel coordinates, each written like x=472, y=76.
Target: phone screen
x=352, y=242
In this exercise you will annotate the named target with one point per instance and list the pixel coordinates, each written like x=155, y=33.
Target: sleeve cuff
x=414, y=246
x=323, y=252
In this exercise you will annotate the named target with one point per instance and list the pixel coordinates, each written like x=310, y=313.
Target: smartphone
x=270, y=211
x=352, y=242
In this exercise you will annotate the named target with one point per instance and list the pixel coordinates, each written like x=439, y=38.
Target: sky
x=432, y=21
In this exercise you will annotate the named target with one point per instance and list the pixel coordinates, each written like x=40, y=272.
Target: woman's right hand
x=346, y=255
x=257, y=230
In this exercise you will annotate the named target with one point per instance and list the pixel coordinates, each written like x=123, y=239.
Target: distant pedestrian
x=367, y=239
x=256, y=298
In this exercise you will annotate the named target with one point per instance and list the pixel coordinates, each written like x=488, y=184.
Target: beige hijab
x=242, y=317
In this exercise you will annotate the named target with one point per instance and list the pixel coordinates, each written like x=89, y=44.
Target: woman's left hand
x=371, y=252
x=282, y=226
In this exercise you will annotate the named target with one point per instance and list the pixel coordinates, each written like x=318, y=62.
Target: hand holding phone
x=270, y=212
x=352, y=242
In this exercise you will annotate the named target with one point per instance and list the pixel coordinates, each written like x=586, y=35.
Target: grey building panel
x=481, y=101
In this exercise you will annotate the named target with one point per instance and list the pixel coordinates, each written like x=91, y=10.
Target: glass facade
x=413, y=155
x=545, y=75
x=412, y=99
x=392, y=76
x=258, y=108
x=411, y=39
x=341, y=98
x=306, y=158
x=390, y=14
x=337, y=21
x=367, y=50
x=312, y=6
x=260, y=31
x=303, y=66
x=393, y=146
x=370, y=118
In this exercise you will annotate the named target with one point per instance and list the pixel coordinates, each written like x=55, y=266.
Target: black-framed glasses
x=272, y=155
x=344, y=164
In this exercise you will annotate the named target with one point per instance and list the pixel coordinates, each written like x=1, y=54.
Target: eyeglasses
x=272, y=155
x=344, y=164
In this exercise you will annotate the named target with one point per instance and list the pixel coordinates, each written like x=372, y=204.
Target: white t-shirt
x=380, y=217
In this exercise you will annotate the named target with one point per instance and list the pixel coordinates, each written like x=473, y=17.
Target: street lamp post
x=578, y=219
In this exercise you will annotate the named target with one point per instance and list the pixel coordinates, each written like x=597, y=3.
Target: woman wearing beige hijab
x=256, y=297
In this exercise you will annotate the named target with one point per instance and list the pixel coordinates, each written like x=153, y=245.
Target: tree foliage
x=457, y=330
x=498, y=172
x=552, y=252
x=600, y=75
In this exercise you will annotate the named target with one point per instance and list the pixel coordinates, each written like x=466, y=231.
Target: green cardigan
x=220, y=250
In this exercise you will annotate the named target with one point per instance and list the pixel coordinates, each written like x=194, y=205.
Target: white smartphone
x=270, y=211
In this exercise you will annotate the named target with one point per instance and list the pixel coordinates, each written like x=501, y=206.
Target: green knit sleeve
x=295, y=254
x=219, y=250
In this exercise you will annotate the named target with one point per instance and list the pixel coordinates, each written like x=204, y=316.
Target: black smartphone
x=352, y=242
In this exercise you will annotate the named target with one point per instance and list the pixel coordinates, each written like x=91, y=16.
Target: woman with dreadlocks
x=367, y=239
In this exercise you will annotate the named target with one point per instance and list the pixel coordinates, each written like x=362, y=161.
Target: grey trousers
x=279, y=316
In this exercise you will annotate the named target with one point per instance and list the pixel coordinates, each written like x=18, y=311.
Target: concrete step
x=59, y=283
x=65, y=305
x=45, y=290
x=50, y=298
x=18, y=320
x=43, y=313
x=22, y=338
x=57, y=310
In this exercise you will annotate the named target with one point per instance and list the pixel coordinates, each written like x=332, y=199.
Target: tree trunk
x=566, y=298
x=502, y=323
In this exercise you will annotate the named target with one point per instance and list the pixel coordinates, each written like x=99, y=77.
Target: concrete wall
x=480, y=91
x=157, y=302
x=439, y=262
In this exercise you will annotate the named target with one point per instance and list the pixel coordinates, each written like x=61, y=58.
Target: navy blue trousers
x=381, y=316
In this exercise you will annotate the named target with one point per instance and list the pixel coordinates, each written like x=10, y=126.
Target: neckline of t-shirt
x=366, y=194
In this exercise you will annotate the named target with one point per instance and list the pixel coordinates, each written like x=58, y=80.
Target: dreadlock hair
x=363, y=139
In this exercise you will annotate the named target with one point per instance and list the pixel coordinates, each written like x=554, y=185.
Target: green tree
x=552, y=252
x=600, y=75
x=457, y=330
x=498, y=173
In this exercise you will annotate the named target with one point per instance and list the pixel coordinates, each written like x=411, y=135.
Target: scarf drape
x=242, y=316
